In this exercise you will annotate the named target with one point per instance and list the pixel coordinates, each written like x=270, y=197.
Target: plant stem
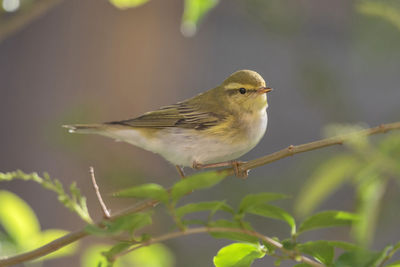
x=292, y=150
x=289, y=151
x=291, y=254
x=106, y=212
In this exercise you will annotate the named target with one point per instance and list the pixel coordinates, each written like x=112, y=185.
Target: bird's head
x=245, y=90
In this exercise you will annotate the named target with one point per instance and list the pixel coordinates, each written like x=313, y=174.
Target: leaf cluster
x=74, y=201
x=21, y=229
x=366, y=166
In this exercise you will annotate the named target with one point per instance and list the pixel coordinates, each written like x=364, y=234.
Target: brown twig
x=291, y=150
x=106, y=213
x=44, y=250
x=390, y=254
x=190, y=231
x=67, y=239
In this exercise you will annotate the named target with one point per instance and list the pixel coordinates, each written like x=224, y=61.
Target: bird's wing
x=181, y=115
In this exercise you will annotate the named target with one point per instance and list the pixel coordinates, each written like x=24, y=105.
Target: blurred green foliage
x=388, y=10
x=123, y=4
x=279, y=17
x=73, y=201
x=131, y=229
x=22, y=229
x=322, y=250
x=367, y=166
x=194, y=12
x=156, y=255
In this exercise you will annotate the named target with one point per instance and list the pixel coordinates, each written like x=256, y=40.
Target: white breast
x=183, y=146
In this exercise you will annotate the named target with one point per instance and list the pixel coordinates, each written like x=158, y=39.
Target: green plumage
x=181, y=115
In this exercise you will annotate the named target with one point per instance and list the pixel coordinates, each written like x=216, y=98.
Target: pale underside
x=183, y=146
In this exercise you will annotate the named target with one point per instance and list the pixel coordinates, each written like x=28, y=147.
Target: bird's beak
x=264, y=90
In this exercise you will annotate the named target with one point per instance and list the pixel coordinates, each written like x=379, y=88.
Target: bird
x=211, y=129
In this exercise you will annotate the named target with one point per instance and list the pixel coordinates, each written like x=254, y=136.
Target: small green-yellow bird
x=212, y=129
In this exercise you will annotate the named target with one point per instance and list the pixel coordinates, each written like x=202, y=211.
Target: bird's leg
x=239, y=173
x=234, y=164
x=180, y=171
x=198, y=166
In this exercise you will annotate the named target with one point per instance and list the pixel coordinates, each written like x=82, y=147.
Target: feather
x=180, y=115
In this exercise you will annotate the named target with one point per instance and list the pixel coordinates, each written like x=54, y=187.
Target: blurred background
x=73, y=61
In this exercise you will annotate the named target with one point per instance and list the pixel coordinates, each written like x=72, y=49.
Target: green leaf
x=289, y=244
x=343, y=245
x=381, y=9
x=390, y=144
x=18, y=219
x=198, y=181
x=152, y=191
x=320, y=250
x=394, y=264
x=9, y=176
x=270, y=249
x=156, y=255
x=255, y=199
x=384, y=255
x=327, y=219
x=50, y=235
x=274, y=212
x=76, y=202
x=202, y=206
x=232, y=235
x=369, y=195
x=93, y=256
x=359, y=258
x=238, y=255
x=130, y=222
x=326, y=180
x=7, y=248
x=116, y=249
x=396, y=246
x=124, y=4
x=194, y=11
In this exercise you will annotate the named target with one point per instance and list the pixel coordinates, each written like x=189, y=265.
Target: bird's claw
x=243, y=174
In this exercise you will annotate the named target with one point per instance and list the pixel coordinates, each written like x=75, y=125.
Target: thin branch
x=44, y=250
x=106, y=213
x=389, y=255
x=291, y=150
x=67, y=239
x=22, y=17
x=266, y=239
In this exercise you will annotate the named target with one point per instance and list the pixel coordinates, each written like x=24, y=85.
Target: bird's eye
x=242, y=90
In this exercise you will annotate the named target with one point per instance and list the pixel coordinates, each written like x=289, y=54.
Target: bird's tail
x=85, y=128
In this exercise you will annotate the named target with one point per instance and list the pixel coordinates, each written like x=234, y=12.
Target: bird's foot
x=243, y=174
x=180, y=171
x=234, y=163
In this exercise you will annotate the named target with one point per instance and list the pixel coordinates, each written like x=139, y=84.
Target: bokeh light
x=11, y=5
